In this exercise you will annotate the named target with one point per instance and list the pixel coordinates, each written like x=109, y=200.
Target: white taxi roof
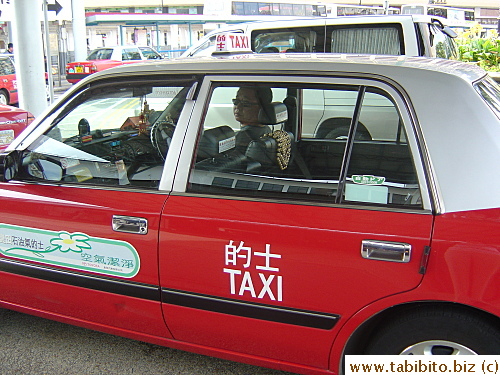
x=326, y=63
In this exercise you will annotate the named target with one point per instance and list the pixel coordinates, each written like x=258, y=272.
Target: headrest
x=273, y=113
x=216, y=141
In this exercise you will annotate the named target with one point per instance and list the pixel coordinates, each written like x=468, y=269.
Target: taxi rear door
x=270, y=261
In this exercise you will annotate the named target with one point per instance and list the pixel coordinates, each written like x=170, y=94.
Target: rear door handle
x=384, y=250
x=130, y=224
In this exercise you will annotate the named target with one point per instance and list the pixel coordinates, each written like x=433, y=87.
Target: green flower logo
x=76, y=242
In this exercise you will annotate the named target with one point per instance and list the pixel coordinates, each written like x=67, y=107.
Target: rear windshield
x=490, y=91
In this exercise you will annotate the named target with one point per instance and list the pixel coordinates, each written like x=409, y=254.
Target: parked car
x=8, y=82
x=107, y=57
x=131, y=208
x=412, y=35
x=12, y=122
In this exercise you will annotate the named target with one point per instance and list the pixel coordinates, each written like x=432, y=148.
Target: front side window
x=131, y=54
x=330, y=144
x=441, y=45
x=110, y=135
x=150, y=54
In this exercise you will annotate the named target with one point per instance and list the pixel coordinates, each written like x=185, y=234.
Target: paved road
x=36, y=346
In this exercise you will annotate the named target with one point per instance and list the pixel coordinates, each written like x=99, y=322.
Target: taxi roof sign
x=232, y=42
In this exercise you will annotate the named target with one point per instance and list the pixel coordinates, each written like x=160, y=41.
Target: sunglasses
x=243, y=103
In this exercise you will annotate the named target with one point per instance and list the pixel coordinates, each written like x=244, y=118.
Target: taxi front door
x=88, y=255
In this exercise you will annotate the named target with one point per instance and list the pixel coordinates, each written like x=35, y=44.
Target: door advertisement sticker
x=77, y=250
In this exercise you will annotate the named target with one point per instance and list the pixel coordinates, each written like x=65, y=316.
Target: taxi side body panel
x=31, y=280
x=463, y=268
x=315, y=266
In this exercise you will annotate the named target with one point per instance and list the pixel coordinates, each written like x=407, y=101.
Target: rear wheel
x=440, y=331
x=4, y=97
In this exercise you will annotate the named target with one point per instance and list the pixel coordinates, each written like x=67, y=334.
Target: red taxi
x=8, y=83
x=12, y=122
x=108, y=57
x=279, y=210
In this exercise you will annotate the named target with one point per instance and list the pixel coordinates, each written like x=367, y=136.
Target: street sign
x=54, y=7
x=58, y=10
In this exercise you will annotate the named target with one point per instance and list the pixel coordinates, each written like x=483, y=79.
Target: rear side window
x=370, y=39
x=300, y=142
x=303, y=39
x=100, y=54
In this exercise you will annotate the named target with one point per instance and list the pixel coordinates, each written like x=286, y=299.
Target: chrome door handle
x=130, y=224
x=388, y=251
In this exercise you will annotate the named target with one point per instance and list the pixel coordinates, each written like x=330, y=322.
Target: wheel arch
x=333, y=123
x=361, y=336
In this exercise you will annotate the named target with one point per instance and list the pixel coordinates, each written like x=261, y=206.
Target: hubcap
x=437, y=347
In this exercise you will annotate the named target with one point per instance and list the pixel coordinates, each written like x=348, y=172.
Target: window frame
x=187, y=156
x=81, y=96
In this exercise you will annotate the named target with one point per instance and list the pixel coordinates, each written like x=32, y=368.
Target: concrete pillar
x=28, y=50
x=79, y=29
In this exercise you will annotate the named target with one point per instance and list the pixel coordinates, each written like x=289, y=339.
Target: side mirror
x=9, y=165
x=47, y=170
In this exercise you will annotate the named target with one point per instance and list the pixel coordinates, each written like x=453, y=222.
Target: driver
x=246, y=107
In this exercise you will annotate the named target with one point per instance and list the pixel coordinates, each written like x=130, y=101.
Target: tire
x=4, y=97
x=443, y=331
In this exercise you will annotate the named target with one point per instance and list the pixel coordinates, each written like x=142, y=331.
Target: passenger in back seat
x=246, y=107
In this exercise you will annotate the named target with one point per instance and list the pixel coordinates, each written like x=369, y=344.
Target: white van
x=411, y=35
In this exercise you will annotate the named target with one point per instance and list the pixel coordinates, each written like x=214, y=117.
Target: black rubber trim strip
x=250, y=310
x=77, y=75
x=104, y=284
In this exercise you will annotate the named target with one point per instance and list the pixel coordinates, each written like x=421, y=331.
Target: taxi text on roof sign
x=230, y=42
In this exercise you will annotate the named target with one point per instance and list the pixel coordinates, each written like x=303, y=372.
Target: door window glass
x=115, y=135
x=300, y=40
x=131, y=54
x=381, y=169
x=101, y=54
x=6, y=66
x=150, y=54
x=294, y=142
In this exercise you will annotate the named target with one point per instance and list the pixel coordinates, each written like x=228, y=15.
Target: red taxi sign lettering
x=231, y=42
